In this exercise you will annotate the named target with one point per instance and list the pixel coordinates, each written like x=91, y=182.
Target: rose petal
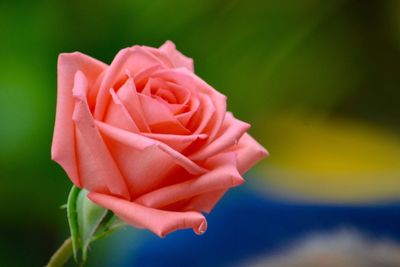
x=174, y=108
x=223, y=175
x=249, y=152
x=177, y=142
x=179, y=76
x=203, y=116
x=180, y=94
x=88, y=175
x=88, y=169
x=159, y=117
x=166, y=95
x=205, y=202
x=130, y=99
x=117, y=115
x=174, y=93
x=193, y=107
x=218, y=99
x=160, y=55
x=106, y=169
x=137, y=166
x=159, y=222
x=172, y=96
x=143, y=76
x=176, y=57
x=141, y=142
x=63, y=146
x=134, y=59
x=94, y=89
x=230, y=134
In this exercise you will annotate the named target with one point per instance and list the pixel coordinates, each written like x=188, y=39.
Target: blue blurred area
x=247, y=223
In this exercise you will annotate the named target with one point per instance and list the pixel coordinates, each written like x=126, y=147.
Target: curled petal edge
x=160, y=222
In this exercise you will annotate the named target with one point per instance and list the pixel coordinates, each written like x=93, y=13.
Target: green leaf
x=90, y=218
x=73, y=220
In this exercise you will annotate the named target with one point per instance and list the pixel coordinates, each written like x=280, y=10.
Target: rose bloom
x=149, y=139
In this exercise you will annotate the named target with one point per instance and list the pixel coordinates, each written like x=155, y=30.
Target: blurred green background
x=318, y=81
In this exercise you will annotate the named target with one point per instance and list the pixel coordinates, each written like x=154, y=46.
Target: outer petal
x=141, y=142
x=105, y=168
x=177, y=142
x=249, y=152
x=63, y=147
x=138, y=166
x=88, y=170
x=158, y=221
x=176, y=57
x=205, y=202
x=223, y=175
x=231, y=132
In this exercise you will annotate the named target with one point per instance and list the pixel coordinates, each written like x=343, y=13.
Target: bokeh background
x=318, y=80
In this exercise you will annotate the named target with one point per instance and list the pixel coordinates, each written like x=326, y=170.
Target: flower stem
x=63, y=253
x=61, y=256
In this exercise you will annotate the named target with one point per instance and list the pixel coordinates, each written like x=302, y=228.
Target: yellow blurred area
x=332, y=159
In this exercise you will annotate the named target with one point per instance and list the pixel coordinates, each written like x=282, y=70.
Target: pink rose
x=148, y=139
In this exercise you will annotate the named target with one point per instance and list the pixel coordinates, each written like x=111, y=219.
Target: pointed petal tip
x=237, y=180
x=169, y=43
x=62, y=57
x=202, y=228
x=264, y=153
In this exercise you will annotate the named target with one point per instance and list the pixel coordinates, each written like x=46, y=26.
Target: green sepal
x=73, y=220
x=87, y=222
x=90, y=217
x=112, y=225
